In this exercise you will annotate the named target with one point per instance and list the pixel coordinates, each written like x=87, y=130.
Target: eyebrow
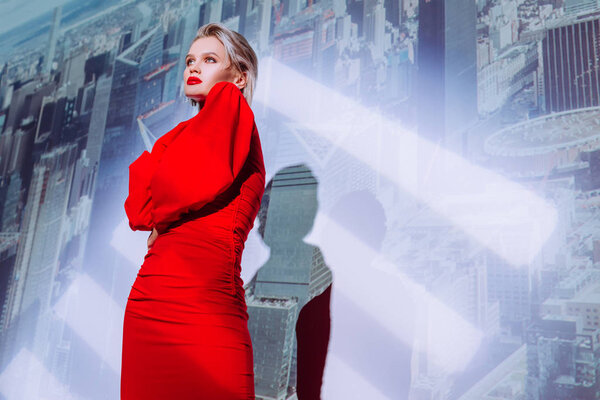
x=204, y=54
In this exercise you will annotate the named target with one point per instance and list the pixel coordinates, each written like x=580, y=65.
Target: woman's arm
x=152, y=237
x=138, y=204
x=206, y=157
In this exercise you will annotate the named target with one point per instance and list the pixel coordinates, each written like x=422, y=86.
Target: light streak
x=89, y=311
x=503, y=216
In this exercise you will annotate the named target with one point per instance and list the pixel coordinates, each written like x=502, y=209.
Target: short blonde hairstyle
x=242, y=57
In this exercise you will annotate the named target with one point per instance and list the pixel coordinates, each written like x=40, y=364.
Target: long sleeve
x=206, y=158
x=138, y=204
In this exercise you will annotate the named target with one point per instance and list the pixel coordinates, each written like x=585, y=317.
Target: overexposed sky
x=16, y=12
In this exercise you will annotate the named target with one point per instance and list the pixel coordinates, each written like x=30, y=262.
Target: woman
x=185, y=334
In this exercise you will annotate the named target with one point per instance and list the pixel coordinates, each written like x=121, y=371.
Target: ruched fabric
x=185, y=333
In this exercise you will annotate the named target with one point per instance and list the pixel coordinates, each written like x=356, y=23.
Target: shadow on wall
x=299, y=319
x=288, y=298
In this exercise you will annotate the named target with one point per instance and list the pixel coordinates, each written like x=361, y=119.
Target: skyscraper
x=447, y=62
x=393, y=11
x=562, y=360
x=136, y=88
x=28, y=314
x=271, y=323
x=54, y=32
x=374, y=27
x=571, y=66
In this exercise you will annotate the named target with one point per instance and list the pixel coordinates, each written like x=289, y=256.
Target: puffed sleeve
x=138, y=204
x=206, y=157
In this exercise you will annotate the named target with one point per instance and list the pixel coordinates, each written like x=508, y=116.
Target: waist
x=234, y=209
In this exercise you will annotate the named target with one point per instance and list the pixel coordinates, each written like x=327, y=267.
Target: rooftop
x=133, y=55
x=575, y=19
x=272, y=302
x=547, y=134
x=590, y=294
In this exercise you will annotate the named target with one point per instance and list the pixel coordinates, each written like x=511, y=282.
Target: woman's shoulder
x=224, y=103
x=224, y=87
x=225, y=94
x=163, y=141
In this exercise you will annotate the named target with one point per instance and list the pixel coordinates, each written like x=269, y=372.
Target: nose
x=194, y=68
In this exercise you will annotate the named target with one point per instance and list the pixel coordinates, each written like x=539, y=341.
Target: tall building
x=295, y=47
x=255, y=23
x=513, y=288
x=393, y=11
x=306, y=43
x=375, y=28
x=447, y=62
x=54, y=32
x=136, y=88
x=213, y=12
x=271, y=324
x=8, y=250
x=264, y=26
x=571, y=65
x=11, y=206
x=28, y=315
x=562, y=360
x=142, y=15
x=98, y=118
x=505, y=76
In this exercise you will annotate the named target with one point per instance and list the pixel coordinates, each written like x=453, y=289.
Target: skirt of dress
x=185, y=333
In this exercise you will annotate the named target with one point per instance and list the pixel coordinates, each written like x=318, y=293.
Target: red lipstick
x=192, y=80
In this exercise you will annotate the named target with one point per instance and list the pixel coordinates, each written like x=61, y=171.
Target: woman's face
x=206, y=65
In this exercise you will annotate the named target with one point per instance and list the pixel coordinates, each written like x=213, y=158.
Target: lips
x=192, y=80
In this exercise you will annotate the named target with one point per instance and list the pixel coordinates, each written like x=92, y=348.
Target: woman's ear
x=241, y=80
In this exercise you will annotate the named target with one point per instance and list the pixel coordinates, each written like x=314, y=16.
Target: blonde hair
x=241, y=56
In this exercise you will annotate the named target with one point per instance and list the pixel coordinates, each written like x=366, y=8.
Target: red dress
x=185, y=334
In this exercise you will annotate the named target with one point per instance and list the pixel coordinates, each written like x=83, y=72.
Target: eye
x=210, y=59
x=189, y=61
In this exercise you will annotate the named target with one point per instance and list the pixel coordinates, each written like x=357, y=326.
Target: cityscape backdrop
x=436, y=162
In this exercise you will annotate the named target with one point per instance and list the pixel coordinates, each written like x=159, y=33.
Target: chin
x=195, y=95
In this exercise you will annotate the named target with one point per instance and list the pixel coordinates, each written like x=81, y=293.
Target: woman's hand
x=152, y=237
